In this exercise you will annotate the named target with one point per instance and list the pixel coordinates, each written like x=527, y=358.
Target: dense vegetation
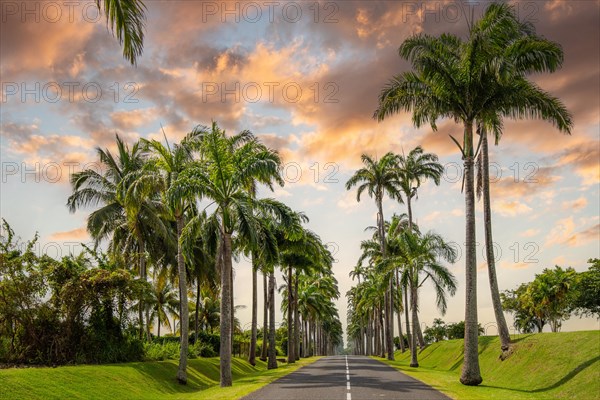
x=553, y=296
x=172, y=215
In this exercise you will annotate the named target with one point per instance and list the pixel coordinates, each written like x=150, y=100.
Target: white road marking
x=348, y=395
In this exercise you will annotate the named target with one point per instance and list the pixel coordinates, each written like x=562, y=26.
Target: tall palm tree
x=524, y=53
x=226, y=175
x=468, y=87
x=127, y=18
x=413, y=169
x=128, y=223
x=161, y=172
x=379, y=178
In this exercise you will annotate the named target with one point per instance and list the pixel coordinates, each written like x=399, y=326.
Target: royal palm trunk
x=489, y=248
x=402, y=348
x=413, y=306
x=196, y=319
x=252, y=356
x=290, y=321
x=296, y=320
x=263, y=352
x=184, y=317
x=272, y=351
x=471, y=374
x=226, y=313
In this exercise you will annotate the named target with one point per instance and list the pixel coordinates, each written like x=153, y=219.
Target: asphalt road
x=351, y=378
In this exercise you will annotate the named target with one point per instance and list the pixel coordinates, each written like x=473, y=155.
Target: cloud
x=132, y=119
x=575, y=205
x=432, y=216
x=534, y=181
x=348, y=203
x=511, y=208
x=529, y=233
x=514, y=265
x=457, y=212
x=565, y=233
x=585, y=160
x=74, y=234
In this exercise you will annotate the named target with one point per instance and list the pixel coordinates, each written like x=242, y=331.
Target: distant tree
x=517, y=302
x=437, y=332
x=457, y=331
x=552, y=293
x=587, y=296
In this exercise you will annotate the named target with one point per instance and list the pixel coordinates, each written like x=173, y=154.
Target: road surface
x=346, y=378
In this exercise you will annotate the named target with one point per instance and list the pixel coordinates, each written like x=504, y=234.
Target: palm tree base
x=471, y=381
x=181, y=378
x=414, y=365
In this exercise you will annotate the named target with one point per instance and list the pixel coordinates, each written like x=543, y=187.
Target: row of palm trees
x=184, y=210
x=477, y=82
x=397, y=256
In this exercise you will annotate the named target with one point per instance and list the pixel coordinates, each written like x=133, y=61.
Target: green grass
x=147, y=380
x=541, y=366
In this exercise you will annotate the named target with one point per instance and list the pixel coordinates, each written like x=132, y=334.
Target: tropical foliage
x=552, y=297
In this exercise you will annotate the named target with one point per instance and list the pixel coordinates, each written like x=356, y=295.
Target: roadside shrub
x=161, y=351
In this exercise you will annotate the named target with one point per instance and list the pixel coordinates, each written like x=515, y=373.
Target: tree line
x=173, y=217
x=477, y=81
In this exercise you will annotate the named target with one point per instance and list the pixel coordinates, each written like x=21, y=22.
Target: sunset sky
x=305, y=77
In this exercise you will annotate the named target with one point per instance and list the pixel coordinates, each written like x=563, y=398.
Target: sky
x=304, y=77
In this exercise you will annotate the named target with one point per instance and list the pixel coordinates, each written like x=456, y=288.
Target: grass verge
x=142, y=380
x=541, y=366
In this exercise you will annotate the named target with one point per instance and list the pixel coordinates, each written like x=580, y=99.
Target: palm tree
x=468, y=87
x=525, y=53
x=420, y=254
x=164, y=302
x=127, y=18
x=128, y=223
x=227, y=175
x=379, y=178
x=413, y=169
x=160, y=174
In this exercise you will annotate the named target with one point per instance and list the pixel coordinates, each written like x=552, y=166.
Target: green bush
x=200, y=349
x=161, y=351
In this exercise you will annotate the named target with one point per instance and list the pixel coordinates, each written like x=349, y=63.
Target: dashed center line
x=348, y=394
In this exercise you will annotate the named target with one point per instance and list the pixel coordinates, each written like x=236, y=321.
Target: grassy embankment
x=141, y=380
x=541, y=366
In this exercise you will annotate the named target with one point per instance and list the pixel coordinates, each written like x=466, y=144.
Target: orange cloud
x=75, y=234
x=132, y=119
x=575, y=205
x=511, y=208
x=564, y=233
x=514, y=265
x=529, y=233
